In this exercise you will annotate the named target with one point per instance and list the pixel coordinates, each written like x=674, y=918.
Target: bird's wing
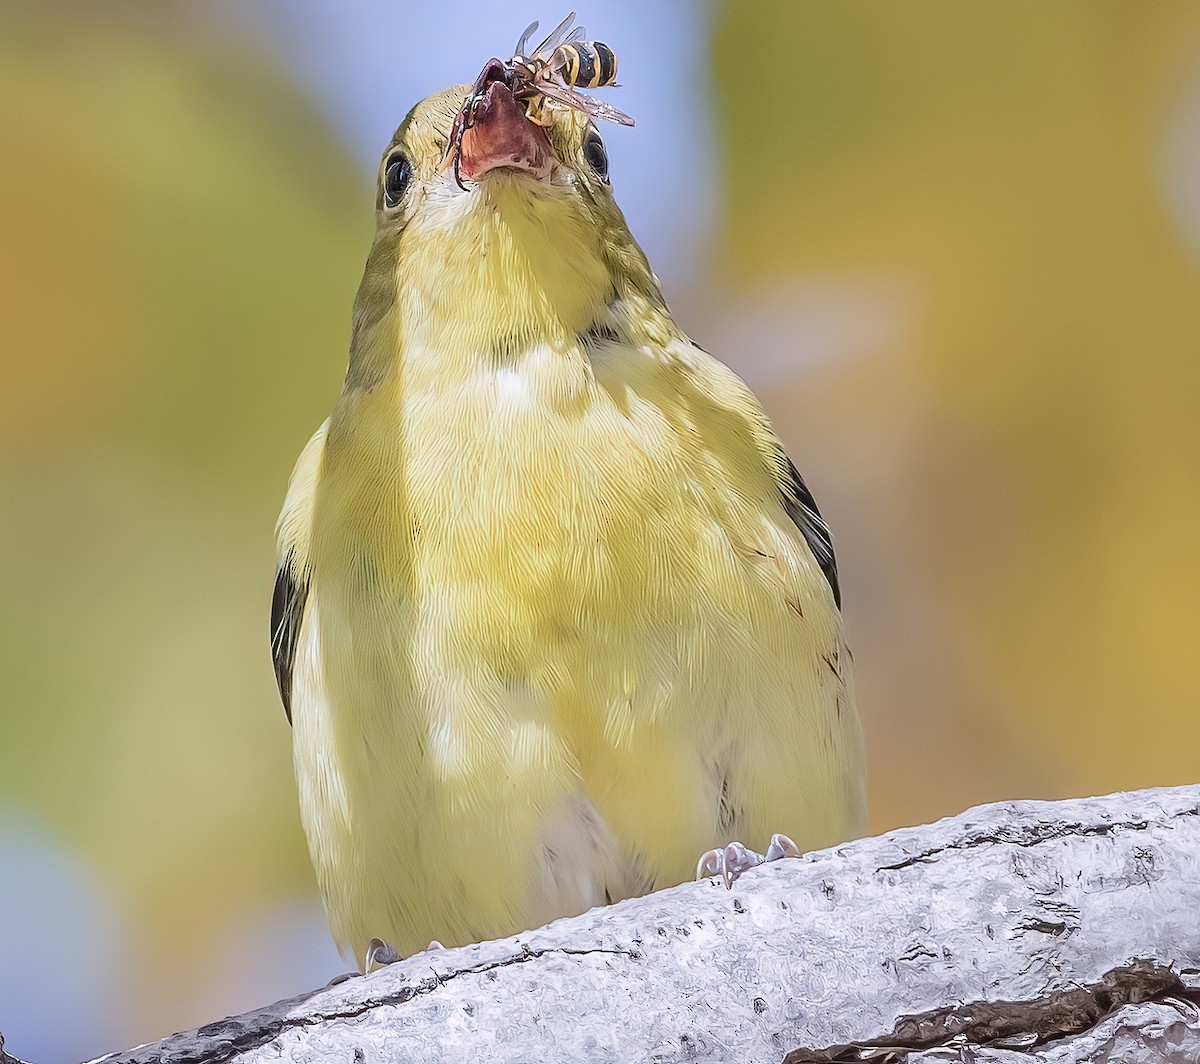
x=730, y=391
x=291, y=574
x=801, y=507
x=287, y=611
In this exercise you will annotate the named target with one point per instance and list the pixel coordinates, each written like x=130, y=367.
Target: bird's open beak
x=497, y=135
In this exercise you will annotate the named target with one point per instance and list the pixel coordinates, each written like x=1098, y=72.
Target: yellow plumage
x=554, y=632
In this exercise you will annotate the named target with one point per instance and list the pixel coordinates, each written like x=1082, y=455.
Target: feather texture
x=569, y=620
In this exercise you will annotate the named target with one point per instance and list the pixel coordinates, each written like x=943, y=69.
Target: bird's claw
x=379, y=954
x=781, y=846
x=731, y=861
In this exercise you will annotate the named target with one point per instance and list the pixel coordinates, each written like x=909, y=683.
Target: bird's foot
x=378, y=955
x=731, y=861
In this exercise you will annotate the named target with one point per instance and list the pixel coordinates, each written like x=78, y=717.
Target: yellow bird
x=554, y=612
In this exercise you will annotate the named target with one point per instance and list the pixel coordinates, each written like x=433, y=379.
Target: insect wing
x=580, y=101
x=530, y=30
x=599, y=109
x=559, y=93
x=553, y=39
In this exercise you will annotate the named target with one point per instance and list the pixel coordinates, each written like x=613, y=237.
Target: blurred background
x=955, y=248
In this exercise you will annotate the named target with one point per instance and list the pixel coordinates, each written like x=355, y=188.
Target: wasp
x=553, y=71
x=547, y=77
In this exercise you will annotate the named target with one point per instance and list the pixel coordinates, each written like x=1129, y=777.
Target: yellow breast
x=557, y=609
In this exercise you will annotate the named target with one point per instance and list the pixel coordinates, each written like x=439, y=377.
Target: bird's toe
x=710, y=864
x=379, y=954
x=731, y=861
x=781, y=846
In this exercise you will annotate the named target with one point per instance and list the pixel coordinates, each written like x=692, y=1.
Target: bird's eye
x=397, y=174
x=596, y=155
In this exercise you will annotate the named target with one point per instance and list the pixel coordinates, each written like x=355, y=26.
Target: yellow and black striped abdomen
x=588, y=64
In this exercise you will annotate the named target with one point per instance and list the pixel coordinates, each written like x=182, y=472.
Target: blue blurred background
x=955, y=248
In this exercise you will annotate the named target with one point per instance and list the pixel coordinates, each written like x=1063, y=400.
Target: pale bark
x=1030, y=906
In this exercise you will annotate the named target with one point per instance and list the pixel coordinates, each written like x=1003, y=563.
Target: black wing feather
x=287, y=611
x=801, y=507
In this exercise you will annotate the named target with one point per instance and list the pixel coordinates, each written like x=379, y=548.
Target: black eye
x=397, y=174
x=596, y=156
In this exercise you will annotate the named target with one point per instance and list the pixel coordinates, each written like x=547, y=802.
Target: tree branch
x=1068, y=930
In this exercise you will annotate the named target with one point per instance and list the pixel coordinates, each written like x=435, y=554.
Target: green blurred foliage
x=1003, y=163
x=182, y=240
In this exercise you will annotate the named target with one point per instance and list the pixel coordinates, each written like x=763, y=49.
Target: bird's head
x=494, y=232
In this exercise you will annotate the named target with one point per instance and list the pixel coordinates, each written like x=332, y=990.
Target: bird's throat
x=514, y=266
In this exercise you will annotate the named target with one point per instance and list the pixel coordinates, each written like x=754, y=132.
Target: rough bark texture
x=1026, y=931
